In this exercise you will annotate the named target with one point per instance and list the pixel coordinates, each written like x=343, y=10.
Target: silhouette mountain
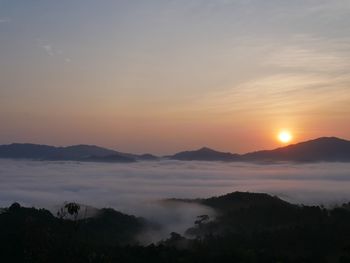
x=328, y=149
x=147, y=157
x=76, y=152
x=239, y=200
x=204, y=154
x=111, y=158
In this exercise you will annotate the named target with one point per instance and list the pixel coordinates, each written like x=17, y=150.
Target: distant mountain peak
x=204, y=154
x=206, y=149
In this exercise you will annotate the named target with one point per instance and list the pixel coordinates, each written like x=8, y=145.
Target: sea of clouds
x=136, y=188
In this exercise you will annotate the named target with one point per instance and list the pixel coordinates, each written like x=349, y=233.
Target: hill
x=239, y=200
x=72, y=153
x=329, y=149
x=248, y=227
x=204, y=154
x=325, y=149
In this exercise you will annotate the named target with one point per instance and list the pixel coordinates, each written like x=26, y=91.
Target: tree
x=202, y=219
x=69, y=209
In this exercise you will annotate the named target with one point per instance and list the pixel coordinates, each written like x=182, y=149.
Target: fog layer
x=135, y=188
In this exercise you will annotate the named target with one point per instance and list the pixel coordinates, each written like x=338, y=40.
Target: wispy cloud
x=51, y=51
x=312, y=54
x=308, y=59
x=295, y=77
x=278, y=94
x=133, y=187
x=48, y=49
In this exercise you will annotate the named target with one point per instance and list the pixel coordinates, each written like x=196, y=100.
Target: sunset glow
x=173, y=130
x=285, y=137
x=164, y=76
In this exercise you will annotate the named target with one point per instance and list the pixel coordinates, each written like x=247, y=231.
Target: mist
x=138, y=188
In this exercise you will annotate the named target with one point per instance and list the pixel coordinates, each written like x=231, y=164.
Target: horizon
x=163, y=76
x=175, y=131
x=184, y=150
x=111, y=110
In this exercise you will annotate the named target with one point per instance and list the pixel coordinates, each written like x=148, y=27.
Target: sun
x=285, y=137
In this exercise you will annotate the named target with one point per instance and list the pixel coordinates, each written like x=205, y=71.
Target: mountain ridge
x=319, y=149
x=204, y=154
x=328, y=149
x=80, y=152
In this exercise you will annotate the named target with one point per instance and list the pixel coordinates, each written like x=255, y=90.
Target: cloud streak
x=51, y=51
x=302, y=75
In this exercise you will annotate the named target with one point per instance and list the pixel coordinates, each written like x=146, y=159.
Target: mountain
x=204, y=154
x=110, y=159
x=329, y=149
x=45, y=152
x=31, y=151
x=106, y=227
x=245, y=227
x=141, y=157
x=73, y=153
x=239, y=200
x=147, y=157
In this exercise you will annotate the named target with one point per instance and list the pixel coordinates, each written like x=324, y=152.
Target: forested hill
x=248, y=227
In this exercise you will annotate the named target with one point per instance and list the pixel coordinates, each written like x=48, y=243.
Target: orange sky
x=167, y=76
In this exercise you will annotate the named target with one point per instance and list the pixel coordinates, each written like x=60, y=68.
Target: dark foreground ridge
x=249, y=227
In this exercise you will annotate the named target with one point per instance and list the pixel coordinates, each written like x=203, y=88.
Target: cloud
x=306, y=53
x=129, y=186
x=137, y=188
x=293, y=77
x=287, y=94
x=51, y=51
x=307, y=59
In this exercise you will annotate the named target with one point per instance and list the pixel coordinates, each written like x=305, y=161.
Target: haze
x=163, y=76
x=132, y=187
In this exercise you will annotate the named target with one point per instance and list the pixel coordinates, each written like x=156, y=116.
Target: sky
x=162, y=76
